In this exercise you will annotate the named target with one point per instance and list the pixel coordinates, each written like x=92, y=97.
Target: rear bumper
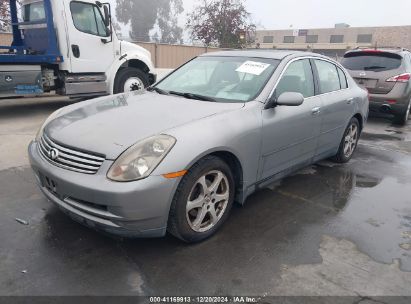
x=135, y=209
x=385, y=103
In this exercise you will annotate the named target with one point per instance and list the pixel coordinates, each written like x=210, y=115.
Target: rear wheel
x=402, y=118
x=202, y=201
x=349, y=142
x=130, y=79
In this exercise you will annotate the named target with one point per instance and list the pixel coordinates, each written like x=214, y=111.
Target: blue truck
x=68, y=47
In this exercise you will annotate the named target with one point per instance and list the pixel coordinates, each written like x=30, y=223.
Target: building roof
x=349, y=28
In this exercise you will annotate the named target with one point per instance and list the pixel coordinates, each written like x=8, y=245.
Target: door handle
x=316, y=111
x=350, y=101
x=76, y=50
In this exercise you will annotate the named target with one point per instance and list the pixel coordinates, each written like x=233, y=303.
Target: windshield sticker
x=253, y=67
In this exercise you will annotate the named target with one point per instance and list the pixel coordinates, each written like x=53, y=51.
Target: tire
x=184, y=222
x=402, y=118
x=128, y=74
x=343, y=155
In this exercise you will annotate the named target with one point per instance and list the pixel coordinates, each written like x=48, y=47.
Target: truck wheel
x=130, y=79
x=402, y=118
x=202, y=201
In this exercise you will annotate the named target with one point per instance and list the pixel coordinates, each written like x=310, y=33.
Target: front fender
x=237, y=132
x=112, y=72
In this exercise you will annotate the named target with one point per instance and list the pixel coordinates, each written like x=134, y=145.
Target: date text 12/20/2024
x=240, y=299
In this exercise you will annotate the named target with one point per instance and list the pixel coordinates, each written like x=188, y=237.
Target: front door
x=290, y=134
x=86, y=35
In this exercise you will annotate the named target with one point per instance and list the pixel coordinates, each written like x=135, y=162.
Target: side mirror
x=108, y=31
x=106, y=16
x=290, y=99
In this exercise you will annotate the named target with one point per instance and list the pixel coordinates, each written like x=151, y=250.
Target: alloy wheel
x=207, y=201
x=350, y=141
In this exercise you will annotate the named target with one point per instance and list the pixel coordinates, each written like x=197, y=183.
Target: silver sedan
x=176, y=157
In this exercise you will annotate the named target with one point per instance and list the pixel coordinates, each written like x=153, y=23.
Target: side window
x=101, y=27
x=328, y=76
x=343, y=79
x=297, y=78
x=33, y=12
x=87, y=18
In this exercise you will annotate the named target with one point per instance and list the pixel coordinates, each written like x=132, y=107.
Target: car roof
x=267, y=54
x=393, y=50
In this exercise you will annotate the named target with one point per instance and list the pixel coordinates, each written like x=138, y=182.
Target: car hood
x=112, y=124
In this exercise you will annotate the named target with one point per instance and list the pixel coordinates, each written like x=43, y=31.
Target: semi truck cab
x=69, y=47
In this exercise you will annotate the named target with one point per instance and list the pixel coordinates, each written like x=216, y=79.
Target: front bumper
x=134, y=209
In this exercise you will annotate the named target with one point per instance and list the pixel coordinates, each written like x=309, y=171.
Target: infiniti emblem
x=53, y=154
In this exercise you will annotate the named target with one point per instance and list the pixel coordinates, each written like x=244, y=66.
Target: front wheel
x=202, y=201
x=349, y=142
x=130, y=79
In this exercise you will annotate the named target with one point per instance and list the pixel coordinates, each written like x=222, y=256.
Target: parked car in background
x=214, y=131
x=386, y=74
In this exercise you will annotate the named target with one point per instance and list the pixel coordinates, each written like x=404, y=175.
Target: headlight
x=140, y=160
x=50, y=118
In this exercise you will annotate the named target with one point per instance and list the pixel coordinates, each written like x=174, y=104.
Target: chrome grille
x=68, y=158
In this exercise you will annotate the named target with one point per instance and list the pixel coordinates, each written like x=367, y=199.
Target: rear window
x=33, y=12
x=367, y=61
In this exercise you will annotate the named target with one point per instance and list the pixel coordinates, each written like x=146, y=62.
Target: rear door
x=290, y=134
x=86, y=35
x=371, y=68
x=338, y=105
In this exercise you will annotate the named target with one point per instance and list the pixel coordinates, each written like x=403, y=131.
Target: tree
x=5, y=22
x=223, y=23
x=4, y=16
x=167, y=21
x=144, y=15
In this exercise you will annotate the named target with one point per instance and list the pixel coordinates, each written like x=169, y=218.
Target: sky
x=280, y=14
x=305, y=14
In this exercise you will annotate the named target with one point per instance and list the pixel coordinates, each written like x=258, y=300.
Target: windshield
x=377, y=62
x=33, y=12
x=221, y=79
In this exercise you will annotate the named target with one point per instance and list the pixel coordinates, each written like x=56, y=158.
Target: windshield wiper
x=158, y=90
x=194, y=96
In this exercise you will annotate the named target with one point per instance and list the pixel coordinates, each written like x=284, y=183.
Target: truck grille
x=68, y=158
